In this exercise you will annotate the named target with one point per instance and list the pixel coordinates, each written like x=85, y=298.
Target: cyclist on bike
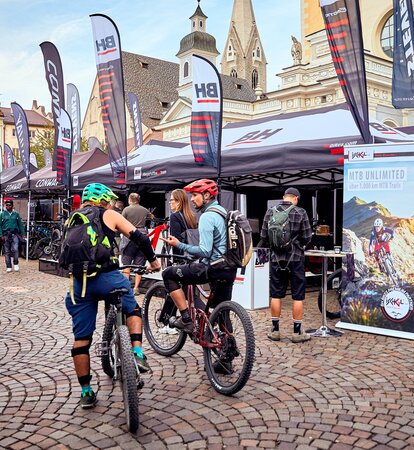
x=380, y=238
x=84, y=308
x=212, y=246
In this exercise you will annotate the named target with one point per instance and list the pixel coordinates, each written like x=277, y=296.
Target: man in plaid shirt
x=288, y=264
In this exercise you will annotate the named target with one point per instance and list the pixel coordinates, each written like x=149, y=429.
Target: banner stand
x=375, y=330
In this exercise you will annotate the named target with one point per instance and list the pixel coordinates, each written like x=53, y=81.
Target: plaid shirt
x=300, y=229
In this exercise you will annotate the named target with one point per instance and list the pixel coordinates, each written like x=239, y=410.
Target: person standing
x=288, y=264
x=11, y=228
x=131, y=254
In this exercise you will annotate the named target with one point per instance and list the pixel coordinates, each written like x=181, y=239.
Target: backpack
x=86, y=250
x=279, y=229
x=239, y=238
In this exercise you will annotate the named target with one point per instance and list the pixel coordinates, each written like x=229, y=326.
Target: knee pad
x=136, y=337
x=84, y=350
x=137, y=312
x=169, y=275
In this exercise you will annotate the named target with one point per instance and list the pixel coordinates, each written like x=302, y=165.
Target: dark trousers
x=11, y=249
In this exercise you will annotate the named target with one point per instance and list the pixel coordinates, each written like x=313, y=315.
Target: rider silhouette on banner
x=380, y=238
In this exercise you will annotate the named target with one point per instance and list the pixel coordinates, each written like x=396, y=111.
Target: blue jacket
x=213, y=236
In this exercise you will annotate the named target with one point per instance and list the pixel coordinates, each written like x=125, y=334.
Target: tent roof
x=14, y=173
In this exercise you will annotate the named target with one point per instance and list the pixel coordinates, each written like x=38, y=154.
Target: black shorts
x=279, y=280
x=132, y=255
x=221, y=280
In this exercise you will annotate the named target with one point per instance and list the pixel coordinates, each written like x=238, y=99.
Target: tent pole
x=28, y=226
x=334, y=216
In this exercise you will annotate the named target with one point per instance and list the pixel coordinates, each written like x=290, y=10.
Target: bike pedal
x=140, y=384
x=101, y=348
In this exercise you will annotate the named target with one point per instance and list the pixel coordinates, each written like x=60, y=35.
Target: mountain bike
x=225, y=333
x=117, y=358
x=387, y=266
x=154, y=235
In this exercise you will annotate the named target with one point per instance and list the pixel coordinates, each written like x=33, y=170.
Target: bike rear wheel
x=155, y=317
x=229, y=365
x=333, y=295
x=108, y=357
x=129, y=379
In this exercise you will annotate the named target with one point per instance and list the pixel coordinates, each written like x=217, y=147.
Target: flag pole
x=28, y=224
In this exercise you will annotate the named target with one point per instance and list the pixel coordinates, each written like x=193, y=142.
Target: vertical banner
x=64, y=150
x=403, y=58
x=47, y=157
x=22, y=134
x=111, y=92
x=378, y=229
x=136, y=118
x=33, y=160
x=206, y=117
x=9, y=160
x=343, y=28
x=2, y=166
x=73, y=108
x=54, y=78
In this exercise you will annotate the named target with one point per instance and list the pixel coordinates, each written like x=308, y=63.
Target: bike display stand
x=324, y=330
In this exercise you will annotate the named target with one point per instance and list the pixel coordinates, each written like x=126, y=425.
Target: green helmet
x=95, y=192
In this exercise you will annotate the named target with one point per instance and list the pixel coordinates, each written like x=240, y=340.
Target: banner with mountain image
x=378, y=228
x=111, y=92
x=136, y=119
x=344, y=32
x=22, y=134
x=73, y=108
x=54, y=78
x=207, y=113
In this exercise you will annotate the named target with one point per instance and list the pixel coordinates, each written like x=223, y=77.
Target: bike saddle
x=120, y=291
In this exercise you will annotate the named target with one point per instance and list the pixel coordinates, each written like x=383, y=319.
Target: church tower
x=243, y=55
x=197, y=42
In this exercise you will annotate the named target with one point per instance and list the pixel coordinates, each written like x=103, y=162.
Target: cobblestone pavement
x=352, y=392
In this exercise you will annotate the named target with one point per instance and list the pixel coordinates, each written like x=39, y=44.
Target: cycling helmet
x=203, y=185
x=95, y=192
x=378, y=223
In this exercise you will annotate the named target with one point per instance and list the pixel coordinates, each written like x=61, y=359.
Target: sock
x=297, y=326
x=275, y=323
x=185, y=315
x=138, y=351
x=86, y=390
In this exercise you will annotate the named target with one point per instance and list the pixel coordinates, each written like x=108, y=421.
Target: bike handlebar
x=139, y=270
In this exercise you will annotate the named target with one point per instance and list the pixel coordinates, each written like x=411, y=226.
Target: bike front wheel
x=129, y=379
x=333, y=295
x=108, y=356
x=157, y=309
x=229, y=356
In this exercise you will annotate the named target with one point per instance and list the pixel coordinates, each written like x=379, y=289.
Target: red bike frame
x=154, y=235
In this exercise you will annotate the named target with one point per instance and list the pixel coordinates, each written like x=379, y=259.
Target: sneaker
x=300, y=337
x=142, y=363
x=167, y=330
x=8, y=270
x=274, y=335
x=223, y=367
x=136, y=291
x=16, y=268
x=88, y=400
x=179, y=324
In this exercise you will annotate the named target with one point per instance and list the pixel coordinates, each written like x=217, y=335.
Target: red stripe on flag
x=198, y=134
x=337, y=48
x=337, y=24
x=342, y=82
x=105, y=83
x=104, y=91
x=337, y=151
x=199, y=143
x=208, y=101
x=207, y=125
x=339, y=72
x=108, y=51
x=338, y=36
x=341, y=160
x=201, y=118
x=106, y=75
x=338, y=60
x=106, y=121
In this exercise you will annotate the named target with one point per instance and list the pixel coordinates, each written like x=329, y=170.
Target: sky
x=151, y=28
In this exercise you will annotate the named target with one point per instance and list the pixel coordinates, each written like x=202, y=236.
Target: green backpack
x=279, y=229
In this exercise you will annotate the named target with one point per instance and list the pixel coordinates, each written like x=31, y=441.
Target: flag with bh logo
x=207, y=112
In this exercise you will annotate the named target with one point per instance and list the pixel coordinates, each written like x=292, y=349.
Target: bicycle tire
x=163, y=344
x=108, y=359
x=40, y=246
x=333, y=295
x=391, y=272
x=242, y=343
x=128, y=379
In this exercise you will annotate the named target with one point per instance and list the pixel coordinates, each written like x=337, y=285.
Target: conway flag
x=33, y=159
x=64, y=150
x=9, y=160
x=22, y=134
x=403, y=58
x=207, y=113
x=343, y=28
x=136, y=118
x=54, y=78
x=73, y=108
x=47, y=157
x=111, y=92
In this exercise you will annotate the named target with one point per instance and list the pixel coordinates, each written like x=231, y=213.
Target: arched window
x=255, y=79
x=193, y=23
x=186, y=69
x=233, y=73
x=258, y=52
x=201, y=24
x=387, y=37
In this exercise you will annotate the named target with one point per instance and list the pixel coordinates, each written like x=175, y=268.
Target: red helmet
x=203, y=185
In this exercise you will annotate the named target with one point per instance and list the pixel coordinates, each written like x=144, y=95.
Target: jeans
x=11, y=248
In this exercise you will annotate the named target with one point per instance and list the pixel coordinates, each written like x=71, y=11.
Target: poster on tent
x=378, y=228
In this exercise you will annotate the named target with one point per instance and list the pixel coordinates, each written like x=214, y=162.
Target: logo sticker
x=396, y=304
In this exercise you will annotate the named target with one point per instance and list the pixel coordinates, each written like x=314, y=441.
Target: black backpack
x=279, y=229
x=86, y=250
x=239, y=238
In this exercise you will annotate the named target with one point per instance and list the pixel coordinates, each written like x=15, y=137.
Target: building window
x=255, y=79
x=14, y=131
x=186, y=69
x=258, y=52
x=233, y=73
x=387, y=37
x=201, y=24
x=193, y=23
x=32, y=133
x=144, y=65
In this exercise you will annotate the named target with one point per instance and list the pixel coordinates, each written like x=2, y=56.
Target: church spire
x=243, y=56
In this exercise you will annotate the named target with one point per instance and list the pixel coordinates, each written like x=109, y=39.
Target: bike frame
x=154, y=235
